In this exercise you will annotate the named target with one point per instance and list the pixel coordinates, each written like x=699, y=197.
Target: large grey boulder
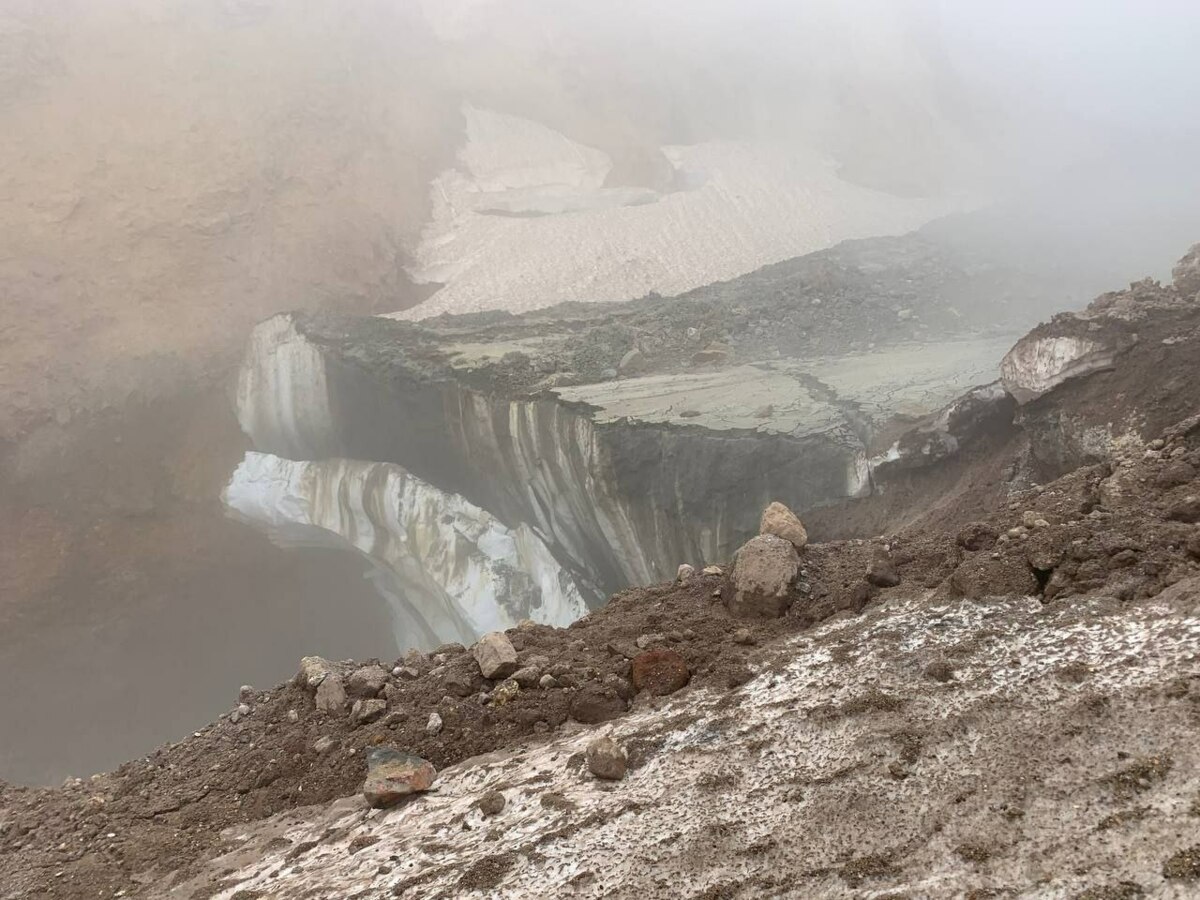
x=763, y=572
x=780, y=521
x=496, y=655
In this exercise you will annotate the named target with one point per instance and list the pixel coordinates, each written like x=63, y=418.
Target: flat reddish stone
x=660, y=672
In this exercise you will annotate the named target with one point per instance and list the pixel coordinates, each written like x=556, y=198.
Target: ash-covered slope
x=1001, y=709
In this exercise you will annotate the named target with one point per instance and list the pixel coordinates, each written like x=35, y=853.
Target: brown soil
x=172, y=805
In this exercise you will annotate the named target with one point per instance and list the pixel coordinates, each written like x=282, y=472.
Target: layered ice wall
x=450, y=570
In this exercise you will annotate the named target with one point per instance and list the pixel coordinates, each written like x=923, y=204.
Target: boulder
x=366, y=682
x=331, y=695
x=763, y=571
x=660, y=672
x=393, y=775
x=496, y=655
x=978, y=577
x=780, y=521
x=607, y=759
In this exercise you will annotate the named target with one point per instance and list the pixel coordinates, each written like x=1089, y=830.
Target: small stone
x=1156, y=444
x=293, y=716
x=491, y=803
x=660, y=672
x=331, y=695
x=631, y=362
x=505, y=692
x=324, y=744
x=527, y=677
x=1029, y=518
x=367, y=681
x=393, y=775
x=246, y=693
x=496, y=655
x=606, y=759
x=547, y=681
x=780, y=521
x=434, y=725
x=649, y=640
x=743, y=636
x=396, y=670
x=243, y=709
x=712, y=570
x=764, y=569
x=365, y=711
x=684, y=572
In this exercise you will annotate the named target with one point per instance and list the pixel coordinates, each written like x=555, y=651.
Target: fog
x=174, y=171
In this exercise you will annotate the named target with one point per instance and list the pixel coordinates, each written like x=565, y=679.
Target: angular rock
x=365, y=711
x=313, y=670
x=684, y=573
x=393, y=775
x=246, y=693
x=434, y=725
x=712, y=570
x=324, y=744
x=780, y=521
x=607, y=759
x=366, y=682
x=882, y=571
x=505, y=692
x=763, y=571
x=496, y=655
x=331, y=695
x=660, y=672
x=547, y=681
x=595, y=703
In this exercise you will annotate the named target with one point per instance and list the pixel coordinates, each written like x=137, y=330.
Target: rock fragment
x=331, y=694
x=684, y=573
x=985, y=577
x=763, y=571
x=1185, y=510
x=882, y=571
x=324, y=744
x=434, y=725
x=367, y=681
x=607, y=759
x=496, y=655
x=660, y=672
x=365, y=711
x=712, y=570
x=780, y=521
x=393, y=775
x=313, y=670
x=527, y=677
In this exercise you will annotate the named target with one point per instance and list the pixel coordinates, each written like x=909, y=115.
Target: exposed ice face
x=524, y=222
x=1035, y=365
x=282, y=395
x=450, y=570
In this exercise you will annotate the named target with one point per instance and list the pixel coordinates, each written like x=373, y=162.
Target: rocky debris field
x=1095, y=550
x=1005, y=707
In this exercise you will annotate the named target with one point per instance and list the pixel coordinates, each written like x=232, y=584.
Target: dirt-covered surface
x=1124, y=530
